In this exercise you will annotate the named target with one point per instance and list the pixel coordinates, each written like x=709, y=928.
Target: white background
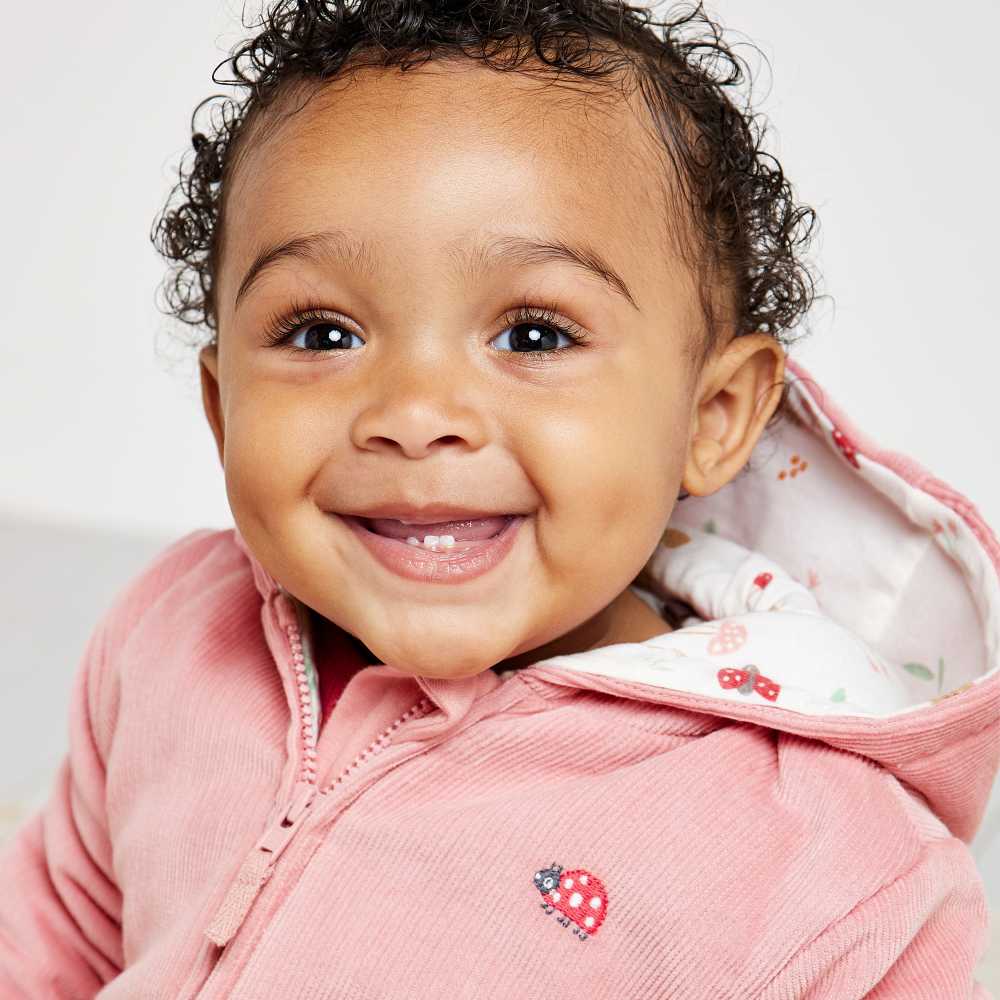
x=884, y=117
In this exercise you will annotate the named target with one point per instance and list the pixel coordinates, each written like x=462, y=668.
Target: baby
x=570, y=642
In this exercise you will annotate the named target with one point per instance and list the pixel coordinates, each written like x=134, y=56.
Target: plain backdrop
x=883, y=115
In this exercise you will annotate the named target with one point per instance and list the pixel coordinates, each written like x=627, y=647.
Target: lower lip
x=463, y=561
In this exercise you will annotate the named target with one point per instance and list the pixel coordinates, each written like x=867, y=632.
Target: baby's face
x=434, y=398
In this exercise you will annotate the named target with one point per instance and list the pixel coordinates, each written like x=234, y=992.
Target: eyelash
x=280, y=329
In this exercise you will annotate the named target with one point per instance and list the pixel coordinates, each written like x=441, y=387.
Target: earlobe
x=740, y=390
x=706, y=454
x=208, y=359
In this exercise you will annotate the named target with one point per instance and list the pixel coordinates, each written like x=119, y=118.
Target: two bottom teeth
x=432, y=541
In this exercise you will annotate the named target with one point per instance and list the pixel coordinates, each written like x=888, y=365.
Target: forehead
x=427, y=159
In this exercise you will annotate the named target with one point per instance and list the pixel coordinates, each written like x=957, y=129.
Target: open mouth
x=446, y=551
x=442, y=534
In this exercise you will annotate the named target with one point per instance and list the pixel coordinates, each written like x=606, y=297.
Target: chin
x=435, y=651
x=442, y=671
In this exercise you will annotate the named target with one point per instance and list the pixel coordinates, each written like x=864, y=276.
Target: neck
x=628, y=618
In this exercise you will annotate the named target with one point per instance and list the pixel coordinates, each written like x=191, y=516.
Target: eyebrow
x=338, y=246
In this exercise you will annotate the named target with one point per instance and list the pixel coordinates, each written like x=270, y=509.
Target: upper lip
x=427, y=514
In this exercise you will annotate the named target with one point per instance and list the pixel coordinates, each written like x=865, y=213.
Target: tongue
x=481, y=527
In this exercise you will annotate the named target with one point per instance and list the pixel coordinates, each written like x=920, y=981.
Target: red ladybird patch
x=577, y=896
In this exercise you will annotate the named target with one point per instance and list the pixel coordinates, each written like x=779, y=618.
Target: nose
x=422, y=410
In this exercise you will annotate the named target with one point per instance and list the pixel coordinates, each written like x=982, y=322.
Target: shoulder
x=157, y=609
x=925, y=922
x=189, y=562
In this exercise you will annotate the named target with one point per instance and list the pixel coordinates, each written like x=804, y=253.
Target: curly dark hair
x=748, y=233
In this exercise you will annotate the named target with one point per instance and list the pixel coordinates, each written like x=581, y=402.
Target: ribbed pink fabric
x=746, y=851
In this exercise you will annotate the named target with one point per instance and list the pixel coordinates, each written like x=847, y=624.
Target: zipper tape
x=257, y=867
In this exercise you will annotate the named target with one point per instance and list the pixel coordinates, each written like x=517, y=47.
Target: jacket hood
x=840, y=593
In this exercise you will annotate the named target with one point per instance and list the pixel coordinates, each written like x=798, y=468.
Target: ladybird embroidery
x=578, y=895
x=749, y=679
x=762, y=580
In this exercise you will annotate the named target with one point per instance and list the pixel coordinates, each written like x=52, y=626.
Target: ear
x=208, y=359
x=740, y=389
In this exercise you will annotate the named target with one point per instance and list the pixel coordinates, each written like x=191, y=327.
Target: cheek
x=606, y=468
x=274, y=444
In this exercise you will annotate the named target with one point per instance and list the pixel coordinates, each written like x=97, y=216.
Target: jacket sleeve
x=919, y=937
x=60, y=910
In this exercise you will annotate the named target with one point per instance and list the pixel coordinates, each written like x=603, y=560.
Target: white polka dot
x=589, y=921
x=576, y=899
x=555, y=896
x=567, y=883
x=583, y=879
x=596, y=902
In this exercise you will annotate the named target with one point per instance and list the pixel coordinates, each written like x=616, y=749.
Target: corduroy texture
x=747, y=851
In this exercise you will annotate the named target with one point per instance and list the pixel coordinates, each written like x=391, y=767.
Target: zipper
x=259, y=863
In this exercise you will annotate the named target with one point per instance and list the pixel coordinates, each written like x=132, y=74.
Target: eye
x=317, y=332
x=322, y=336
x=536, y=330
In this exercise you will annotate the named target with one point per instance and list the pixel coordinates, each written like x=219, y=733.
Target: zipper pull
x=258, y=865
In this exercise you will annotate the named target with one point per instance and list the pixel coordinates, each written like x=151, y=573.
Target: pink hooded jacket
x=774, y=801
